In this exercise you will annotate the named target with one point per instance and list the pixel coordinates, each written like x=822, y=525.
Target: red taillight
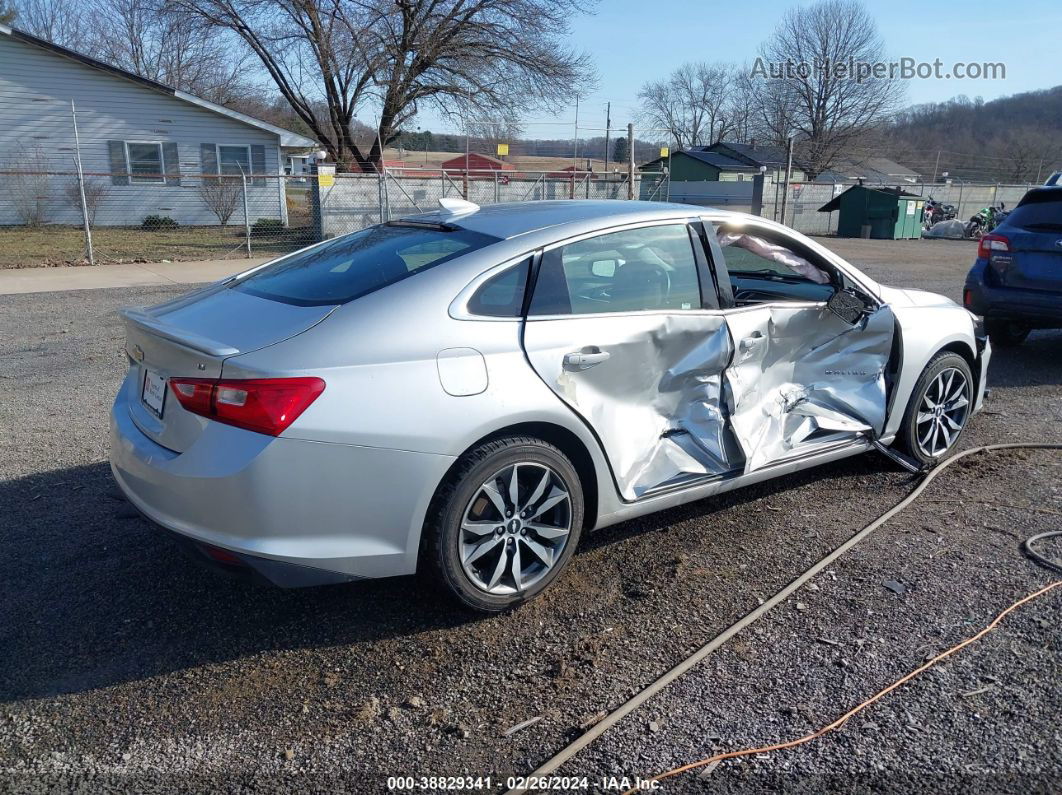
x=991, y=244
x=265, y=405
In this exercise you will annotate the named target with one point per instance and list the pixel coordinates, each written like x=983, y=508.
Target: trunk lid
x=192, y=337
x=1034, y=261
x=1034, y=234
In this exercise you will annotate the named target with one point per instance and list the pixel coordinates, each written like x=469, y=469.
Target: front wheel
x=505, y=523
x=939, y=409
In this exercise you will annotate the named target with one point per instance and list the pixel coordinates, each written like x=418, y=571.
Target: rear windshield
x=361, y=263
x=1040, y=210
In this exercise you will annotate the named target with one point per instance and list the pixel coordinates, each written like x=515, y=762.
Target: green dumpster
x=888, y=213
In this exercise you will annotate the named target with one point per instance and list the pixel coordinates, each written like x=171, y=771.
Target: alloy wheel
x=515, y=528
x=943, y=412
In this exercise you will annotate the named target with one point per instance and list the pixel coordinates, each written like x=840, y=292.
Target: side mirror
x=848, y=305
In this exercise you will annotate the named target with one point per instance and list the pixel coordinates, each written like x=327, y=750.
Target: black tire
x=1006, y=333
x=441, y=551
x=907, y=438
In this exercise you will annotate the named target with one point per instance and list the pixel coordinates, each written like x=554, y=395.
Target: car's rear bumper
x=1036, y=308
x=297, y=512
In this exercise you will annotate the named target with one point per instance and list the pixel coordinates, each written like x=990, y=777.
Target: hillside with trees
x=1010, y=139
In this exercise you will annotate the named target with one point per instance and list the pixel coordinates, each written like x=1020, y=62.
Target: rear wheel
x=505, y=524
x=1006, y=333
x=939, y=408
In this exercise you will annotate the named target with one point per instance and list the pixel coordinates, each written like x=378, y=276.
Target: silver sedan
x=466, y=392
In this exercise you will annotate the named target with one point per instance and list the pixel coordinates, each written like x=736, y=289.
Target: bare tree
x=96, y=191
x=150, y=38
x=221, y=194
x=57, y=21
x=808, y=89
x=487, y=134
x=691, y=104
x=28, y=185
x=331, y=59
x=168, y=44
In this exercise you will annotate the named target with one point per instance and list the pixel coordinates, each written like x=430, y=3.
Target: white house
x=145, y=147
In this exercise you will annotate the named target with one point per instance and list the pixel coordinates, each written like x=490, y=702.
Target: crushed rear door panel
x=656, y=402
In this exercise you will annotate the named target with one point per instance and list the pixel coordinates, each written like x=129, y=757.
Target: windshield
x=1041, y=210
x=361, y=263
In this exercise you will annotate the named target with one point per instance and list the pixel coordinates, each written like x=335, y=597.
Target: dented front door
x=802, y=379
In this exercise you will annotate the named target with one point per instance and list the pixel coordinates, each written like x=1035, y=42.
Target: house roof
x=755, y=154
x=287, y=137
x=835, y=202
x=879, y=170
x=715, y=159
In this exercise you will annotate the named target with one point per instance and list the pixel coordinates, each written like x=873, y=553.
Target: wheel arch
x=564, y=440
x=967, y=352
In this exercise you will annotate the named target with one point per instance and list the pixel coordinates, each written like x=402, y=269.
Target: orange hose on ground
x=880, y=694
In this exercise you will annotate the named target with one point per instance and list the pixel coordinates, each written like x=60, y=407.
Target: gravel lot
x=124, y=666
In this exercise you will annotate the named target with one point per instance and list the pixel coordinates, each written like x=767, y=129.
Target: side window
x=764, y=269
x=502, y=295
x=652, y=268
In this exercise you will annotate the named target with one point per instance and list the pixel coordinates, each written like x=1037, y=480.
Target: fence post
x=81, y=188
x=246, y=214
x=630, y=162
x=316, y=211
x=496, y=195
x=380, y=190
x=757, y=195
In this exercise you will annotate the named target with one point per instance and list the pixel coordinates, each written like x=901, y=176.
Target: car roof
x=1042, y=193
x=510, y=220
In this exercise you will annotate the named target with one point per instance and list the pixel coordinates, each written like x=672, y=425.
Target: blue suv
x=1016, y=282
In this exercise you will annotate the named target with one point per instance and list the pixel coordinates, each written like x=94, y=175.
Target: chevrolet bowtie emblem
x=138, y=353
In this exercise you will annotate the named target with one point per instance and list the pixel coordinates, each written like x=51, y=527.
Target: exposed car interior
x=763, y=269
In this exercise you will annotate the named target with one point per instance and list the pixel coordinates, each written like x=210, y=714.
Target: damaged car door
x=618, y=328
x=810, y=350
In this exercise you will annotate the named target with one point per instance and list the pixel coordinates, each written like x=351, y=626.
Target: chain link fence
x=802, y=203
x=52, y=217
x=49, y=217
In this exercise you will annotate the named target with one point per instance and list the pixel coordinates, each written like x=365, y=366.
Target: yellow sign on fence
x=326, y=176
x=503, y=150
x=664, y=151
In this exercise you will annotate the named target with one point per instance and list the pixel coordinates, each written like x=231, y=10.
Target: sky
x=632, y=41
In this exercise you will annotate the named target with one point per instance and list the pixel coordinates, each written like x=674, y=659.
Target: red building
x=476, y=162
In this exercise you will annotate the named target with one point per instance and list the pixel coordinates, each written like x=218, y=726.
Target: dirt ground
x=126, y=667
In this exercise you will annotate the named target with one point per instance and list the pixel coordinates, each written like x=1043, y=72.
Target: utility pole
x=630, y=161
x=936, y=166
x=1039, y=170
x=81, y=188
x=788, y=175
x=608, y=129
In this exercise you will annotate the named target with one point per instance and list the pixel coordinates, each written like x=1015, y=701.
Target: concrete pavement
x=46, y=280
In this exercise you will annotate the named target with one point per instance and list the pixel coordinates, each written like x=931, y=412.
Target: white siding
x=36, y=87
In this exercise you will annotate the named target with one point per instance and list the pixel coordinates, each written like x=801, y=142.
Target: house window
x=144, y=162
x=234, y=160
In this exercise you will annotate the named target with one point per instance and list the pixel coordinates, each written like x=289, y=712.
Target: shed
x=880, y=213
x=475, y=162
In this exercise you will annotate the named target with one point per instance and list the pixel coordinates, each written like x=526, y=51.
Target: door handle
x=750, y=342
x=585, y=359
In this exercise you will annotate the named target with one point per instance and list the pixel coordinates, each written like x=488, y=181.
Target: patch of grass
x=29, y=247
